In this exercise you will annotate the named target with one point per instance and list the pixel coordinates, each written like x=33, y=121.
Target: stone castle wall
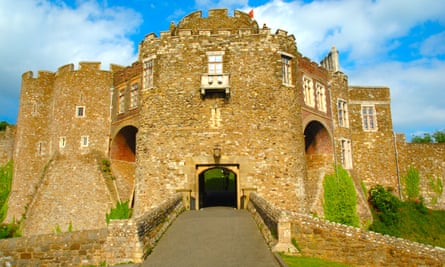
x=259, y=126
x=429, y=160
x=7, y=138
x=315, y=237
x=374, y=159
x=72, y=192
x=50, y=124
x=122, y=241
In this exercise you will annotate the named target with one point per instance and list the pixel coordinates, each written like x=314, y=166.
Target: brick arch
x=123, y=144
x=317, y=138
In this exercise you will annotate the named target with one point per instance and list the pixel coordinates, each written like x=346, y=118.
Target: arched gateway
x=217, y=186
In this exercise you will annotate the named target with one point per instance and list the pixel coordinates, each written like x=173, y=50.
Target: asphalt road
x=217, y=236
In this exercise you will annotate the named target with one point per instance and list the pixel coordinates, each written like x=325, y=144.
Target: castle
x=211, y=93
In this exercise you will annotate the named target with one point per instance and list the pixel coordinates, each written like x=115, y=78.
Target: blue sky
x=395, y=43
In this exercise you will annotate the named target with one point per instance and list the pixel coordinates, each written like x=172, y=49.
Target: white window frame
x=369, y=118
x=148, y=66
x=84, y=141
x=346, y=153
x=308, y=92
x=121, y=101
x=342, y=113
x=215, y=65
x=134, y=95
x=320, y=91
x=286, y=69
x=80, y=111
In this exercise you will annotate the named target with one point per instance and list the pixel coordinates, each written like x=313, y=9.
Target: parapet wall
x=354, y=246
x=122, y=241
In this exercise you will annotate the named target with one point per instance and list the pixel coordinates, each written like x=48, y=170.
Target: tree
x=3, y=125
x=439, y=136
x=436, y=137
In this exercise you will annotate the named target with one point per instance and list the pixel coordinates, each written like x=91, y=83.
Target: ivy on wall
x=340, y=199
x=411, y=182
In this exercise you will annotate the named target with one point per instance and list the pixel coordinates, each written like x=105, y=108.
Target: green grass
x=415, y=223
x=293, y=261
x=5, y=187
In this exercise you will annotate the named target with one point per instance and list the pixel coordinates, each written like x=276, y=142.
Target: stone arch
x=319, y=161
x=318, y=145
x=123, y=145
x=123, y=162
x=218, y=186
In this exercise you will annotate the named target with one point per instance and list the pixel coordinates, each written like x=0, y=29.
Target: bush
x=120, y=212
x=10, y=230
x=340, y=198
x=385, y=204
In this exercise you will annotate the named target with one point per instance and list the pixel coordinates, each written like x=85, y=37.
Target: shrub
x=385, y=204
x=120, y=212
x=340, y=198
x=10, y=230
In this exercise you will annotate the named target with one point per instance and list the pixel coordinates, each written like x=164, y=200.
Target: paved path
x=212, y=237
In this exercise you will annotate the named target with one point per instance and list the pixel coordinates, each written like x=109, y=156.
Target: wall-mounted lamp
x=217, y=152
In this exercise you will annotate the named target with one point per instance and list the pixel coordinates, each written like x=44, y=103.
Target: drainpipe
x=397, y=165
x=333, y=129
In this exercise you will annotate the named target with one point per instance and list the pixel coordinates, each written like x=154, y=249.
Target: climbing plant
x=340, y=198
x=411, y=182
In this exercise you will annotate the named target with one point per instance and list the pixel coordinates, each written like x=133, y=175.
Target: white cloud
x=417, y=98
x=368, y=35
x=44, y=35
x=364, y=28
x=230, y=4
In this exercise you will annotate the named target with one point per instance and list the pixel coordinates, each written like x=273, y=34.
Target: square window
x=80, y=111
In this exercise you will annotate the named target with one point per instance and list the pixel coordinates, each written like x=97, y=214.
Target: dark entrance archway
x=317, y=139
x=218, y=187
x=123, y=163
x=123, y=145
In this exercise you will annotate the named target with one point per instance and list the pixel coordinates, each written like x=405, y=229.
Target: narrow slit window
x=84, y=142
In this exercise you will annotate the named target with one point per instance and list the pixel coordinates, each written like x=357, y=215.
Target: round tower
x=220, y=93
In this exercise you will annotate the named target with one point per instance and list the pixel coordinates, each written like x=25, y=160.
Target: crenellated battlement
x=217, y=24
x=68, y=68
